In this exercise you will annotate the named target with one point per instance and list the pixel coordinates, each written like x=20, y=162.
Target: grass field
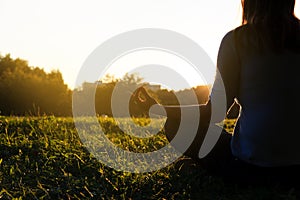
x=44, y=158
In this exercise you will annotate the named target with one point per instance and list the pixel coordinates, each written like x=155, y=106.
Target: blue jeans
x=222, y=163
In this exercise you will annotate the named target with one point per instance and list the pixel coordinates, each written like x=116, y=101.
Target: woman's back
x=267, y=92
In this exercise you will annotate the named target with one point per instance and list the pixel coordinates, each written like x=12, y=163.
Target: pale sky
x=60, y=34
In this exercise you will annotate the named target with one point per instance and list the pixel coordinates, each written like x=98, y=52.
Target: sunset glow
x=61, y=34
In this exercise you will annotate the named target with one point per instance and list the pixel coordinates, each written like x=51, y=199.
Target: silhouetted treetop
x=30, y=90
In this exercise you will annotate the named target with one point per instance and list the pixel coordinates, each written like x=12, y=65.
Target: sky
x=61, y=34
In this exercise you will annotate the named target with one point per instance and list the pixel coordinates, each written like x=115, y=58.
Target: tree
x=30, y=90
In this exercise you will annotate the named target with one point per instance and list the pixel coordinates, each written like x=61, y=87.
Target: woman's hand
x=140, y=103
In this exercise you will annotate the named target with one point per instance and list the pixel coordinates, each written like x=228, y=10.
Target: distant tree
x=126, y=85
x=30, y=90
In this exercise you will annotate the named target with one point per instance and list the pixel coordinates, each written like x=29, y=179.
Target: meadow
x=44, y=158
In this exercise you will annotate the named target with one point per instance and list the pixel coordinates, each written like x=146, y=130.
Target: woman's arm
x=149, y=104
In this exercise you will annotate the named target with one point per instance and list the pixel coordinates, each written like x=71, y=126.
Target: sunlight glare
x=136, y=59
x=297, y=9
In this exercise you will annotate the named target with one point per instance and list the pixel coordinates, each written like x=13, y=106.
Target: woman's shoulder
x=243, y=29
x=231, y=37
x=242, y=37
x=239, y=31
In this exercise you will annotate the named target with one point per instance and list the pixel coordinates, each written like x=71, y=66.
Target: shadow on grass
x=207, y=185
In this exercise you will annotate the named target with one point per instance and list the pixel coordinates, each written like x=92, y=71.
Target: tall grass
x=44, y=158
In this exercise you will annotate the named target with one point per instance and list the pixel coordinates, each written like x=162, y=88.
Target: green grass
x=43, y=158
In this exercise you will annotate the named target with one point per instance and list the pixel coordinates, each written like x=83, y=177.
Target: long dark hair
x=274, y=21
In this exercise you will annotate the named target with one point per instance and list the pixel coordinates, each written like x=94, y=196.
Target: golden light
x=297, y=9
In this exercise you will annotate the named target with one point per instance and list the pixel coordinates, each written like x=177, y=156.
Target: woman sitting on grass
x=258, y=64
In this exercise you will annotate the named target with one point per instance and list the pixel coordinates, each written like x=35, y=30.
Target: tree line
x=27, y=90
